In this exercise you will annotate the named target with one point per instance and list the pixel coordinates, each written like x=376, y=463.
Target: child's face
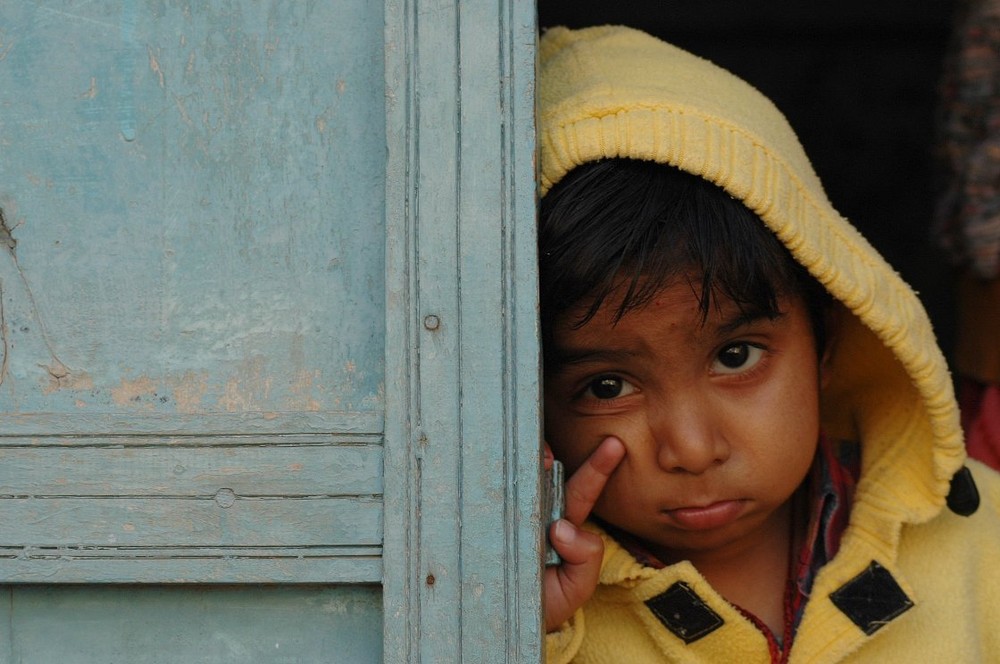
x=719, y=419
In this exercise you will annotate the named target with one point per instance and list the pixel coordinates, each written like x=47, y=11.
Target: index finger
x=585, y=486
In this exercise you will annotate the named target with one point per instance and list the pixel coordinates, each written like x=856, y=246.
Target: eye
x=609, y=387
x=737, y=358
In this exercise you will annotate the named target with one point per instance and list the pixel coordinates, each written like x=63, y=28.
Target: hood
x=617, y=92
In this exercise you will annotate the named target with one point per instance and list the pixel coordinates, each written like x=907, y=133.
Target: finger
x=547, y=456
x=572, y=583
x=585, y=486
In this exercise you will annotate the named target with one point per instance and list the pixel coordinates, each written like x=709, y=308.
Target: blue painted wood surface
x=191, y=625
x=193, y=205
x=191, y=291
x=462, y=539
x=261, y=264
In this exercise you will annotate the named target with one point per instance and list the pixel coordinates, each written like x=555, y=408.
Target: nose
x=687, y=438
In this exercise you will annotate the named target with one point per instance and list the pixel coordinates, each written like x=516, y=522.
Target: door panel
x=192, y=331
x=191, y=291
x=194, y=625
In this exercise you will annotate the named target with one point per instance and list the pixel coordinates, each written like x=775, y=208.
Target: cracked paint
x=61, y=378
x=55, y=370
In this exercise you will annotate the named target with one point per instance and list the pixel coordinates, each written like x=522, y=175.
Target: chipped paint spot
x=154, y=65
x=320, y=124
x=61, y=378
x=301, y=388
x=248, y=389
x=5, y=47
x=189, y=391
x=91, y=91
x=131, y=392
x=182, y=109
x=341, y=86
x=57, y=369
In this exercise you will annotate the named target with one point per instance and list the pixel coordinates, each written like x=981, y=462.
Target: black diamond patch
x=871, y=599
x=963, y=497
x=684, y=613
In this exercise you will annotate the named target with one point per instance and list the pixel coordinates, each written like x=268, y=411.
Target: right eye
x=609, y=387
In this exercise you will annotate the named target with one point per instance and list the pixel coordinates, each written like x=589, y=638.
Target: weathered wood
x=191, y=290
x=462, y=431
x=196, y=467
x=197, y=565
x=195, y=208
x=224, y=519
x=203, y=625
x=216, y=424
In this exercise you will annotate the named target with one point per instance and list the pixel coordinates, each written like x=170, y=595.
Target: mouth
x=706, y=517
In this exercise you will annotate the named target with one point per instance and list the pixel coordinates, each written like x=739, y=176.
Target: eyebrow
x=745, y=318
x=563, y=357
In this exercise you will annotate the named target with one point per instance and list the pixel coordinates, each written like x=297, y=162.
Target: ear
x=833, y=317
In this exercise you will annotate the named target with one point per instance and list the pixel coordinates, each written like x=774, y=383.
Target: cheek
x=573, y=437
x=795, y=433
x=568, y=439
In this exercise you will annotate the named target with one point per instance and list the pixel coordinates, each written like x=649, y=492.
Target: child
x=763, y=446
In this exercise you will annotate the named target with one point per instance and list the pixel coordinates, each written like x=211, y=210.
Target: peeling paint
x=91, y=92
x=61, y=378
x=130, y=392
x=57, y=373
x=302, y=387
x=5, y=47
x=248, y=390
x=182, y=109
x=189, y=392
x=154, y=65
x=132, y=306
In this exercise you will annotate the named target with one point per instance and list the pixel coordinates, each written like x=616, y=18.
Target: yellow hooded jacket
x=913, y=581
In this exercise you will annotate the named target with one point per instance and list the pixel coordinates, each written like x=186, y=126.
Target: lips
x=707, y=517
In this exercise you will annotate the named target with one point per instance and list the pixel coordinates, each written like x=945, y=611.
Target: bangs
x=632, y=227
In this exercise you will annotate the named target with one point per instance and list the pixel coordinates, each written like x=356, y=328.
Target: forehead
x=672, y=314
x=677, y=297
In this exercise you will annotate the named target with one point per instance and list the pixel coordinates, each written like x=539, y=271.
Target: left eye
x=736, y=358
x=609, y=387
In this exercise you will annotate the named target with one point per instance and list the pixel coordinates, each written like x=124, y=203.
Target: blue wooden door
x=269, y=352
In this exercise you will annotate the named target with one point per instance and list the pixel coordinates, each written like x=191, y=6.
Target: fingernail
x=564, y=531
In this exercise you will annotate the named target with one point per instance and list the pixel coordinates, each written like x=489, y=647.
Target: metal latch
x=554, y=506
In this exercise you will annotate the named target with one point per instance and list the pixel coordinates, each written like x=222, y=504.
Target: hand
x=567, y=586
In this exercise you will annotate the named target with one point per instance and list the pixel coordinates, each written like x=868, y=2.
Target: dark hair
x=636, y=225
